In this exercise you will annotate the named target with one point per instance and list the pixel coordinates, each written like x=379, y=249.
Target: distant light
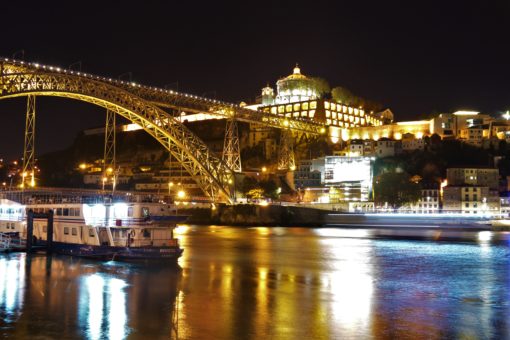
x=507, y=115
x=181, y=194
x=264, y=169
x=484, y=236
x=466, y=113
x=83, y=166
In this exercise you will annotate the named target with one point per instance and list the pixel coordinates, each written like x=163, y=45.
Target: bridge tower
x=28, y=173
x=286, y=160
x=109, y=170
x=231, y=149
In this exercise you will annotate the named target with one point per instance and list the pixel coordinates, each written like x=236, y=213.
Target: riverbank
x=257, y=215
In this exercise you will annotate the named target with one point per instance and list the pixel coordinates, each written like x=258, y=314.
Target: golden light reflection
x=350, y=283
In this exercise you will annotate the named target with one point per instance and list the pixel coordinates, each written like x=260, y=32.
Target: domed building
x=296, y=88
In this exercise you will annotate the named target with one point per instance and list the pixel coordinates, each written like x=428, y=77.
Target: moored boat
x=123, y=227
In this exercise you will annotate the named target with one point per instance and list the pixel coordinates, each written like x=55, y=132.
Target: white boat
x=121, y=227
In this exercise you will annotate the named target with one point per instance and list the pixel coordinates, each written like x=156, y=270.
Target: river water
x=265, y=283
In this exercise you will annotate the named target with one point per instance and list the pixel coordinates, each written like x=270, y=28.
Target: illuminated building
x=299, y=96
x=472, y=190
x=451, y=124
x=348, y=178
x=385, y=147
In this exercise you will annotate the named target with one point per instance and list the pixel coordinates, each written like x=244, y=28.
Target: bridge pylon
x=109, y=170
x=286, y=160
x=231, y=149
x=28, y=173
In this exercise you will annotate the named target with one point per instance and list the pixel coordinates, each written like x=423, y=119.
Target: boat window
x=146, y=233
x=66, y=211
x=74, y=232
x=91, y=232
x=76, y=211
x=66, y=230
x=145, y=212
x=59, y=211
x=130, y=211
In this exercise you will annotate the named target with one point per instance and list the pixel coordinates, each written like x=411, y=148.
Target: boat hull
x=166, y=254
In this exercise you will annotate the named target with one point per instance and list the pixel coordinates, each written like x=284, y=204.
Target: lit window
x=350, y=110
x=91, y=232
x=333, y=106
x=296, y=114
x=362, y=121
x=312, y=113
x=288, y=108
x=346, y=117
x=305, y=106
x=333, y=115
x=361, y=113
x=356, y=112
x=74, y=232
x=326, y=105
x=304, y=114
x=328, y=121
x=273, y=110
x=344, y=109
x=66, y=230
x=313, y=105
x=328, y=113
x=297, y=107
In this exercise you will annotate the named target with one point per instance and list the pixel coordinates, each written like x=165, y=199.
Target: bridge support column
x=231, y=149
x=109, y=171
x=286, y=160
x=28, y=174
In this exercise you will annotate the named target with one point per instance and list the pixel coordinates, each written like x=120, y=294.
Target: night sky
x=414, y=57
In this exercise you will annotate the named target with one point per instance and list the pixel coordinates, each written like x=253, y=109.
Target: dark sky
x=415, y=57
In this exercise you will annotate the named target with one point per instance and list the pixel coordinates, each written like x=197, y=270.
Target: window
x=288, y=108
x=467, y=205
x=59, y=212
x=313, y=105
x=91, y=232
x=66, y=230
x=145, y=212
x=305, y=106
x=475, y=197
x=65, y=211
x=281, y=109
x=74, y=232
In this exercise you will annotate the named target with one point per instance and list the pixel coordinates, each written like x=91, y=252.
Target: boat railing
x=82, y=196
x=5, y=241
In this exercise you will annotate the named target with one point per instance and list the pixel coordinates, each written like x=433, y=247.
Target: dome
x=295, y=87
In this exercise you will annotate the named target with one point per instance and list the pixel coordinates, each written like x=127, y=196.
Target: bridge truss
x=144, y=105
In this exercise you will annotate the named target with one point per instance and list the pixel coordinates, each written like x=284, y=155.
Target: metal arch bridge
x=142, y=105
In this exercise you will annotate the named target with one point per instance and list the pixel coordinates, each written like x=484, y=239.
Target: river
x=265, y=283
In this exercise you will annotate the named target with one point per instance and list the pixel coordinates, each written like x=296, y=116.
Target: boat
x=122, y=227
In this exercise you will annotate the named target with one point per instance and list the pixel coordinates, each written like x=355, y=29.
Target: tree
x=255, y=194
x=341, y=94
x=396, y=189
x=270, y=189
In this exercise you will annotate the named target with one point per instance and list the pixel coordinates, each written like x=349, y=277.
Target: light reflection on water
x=255, y=283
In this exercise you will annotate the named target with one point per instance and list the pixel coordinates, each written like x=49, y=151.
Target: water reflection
x=257, y=283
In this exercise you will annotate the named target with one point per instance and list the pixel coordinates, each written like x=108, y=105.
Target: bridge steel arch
x=211, y=174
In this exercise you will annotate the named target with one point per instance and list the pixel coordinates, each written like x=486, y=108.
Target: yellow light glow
x=264, y=169
x=414, y=122
x=323, y=130
x=419, y=135
x=466, y=113
x=397, y=135
x=263, y=203
x=83, y=166
x=181, y=194
x=285, y=122
x=109, y=170
x=292, y=167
